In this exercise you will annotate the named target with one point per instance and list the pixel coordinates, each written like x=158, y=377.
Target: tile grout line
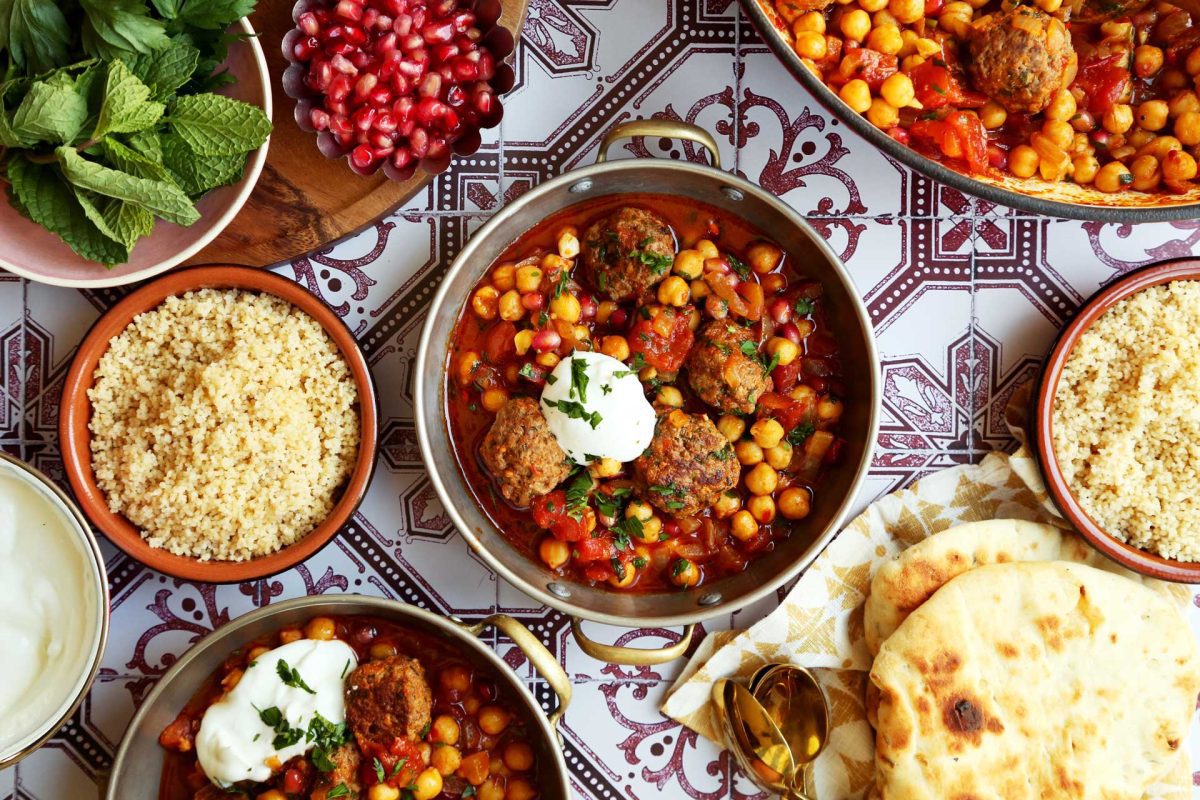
x=738, y=67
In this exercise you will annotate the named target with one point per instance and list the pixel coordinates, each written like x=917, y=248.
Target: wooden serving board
x=304, y=200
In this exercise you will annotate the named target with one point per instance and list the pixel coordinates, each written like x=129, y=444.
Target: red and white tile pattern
x=965, y=298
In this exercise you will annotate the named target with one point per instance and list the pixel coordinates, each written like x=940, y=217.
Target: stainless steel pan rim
x=429, y=376
x=463, y=634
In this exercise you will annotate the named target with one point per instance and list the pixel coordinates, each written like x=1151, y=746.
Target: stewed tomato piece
x=663, y=340
x=498, y=345
x=550, y=511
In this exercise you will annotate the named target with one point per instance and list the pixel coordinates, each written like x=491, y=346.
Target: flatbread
x=1033, y=680
x=908, y=580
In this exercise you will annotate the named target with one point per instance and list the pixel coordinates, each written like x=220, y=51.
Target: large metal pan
x=849, y=318
x=137, y=769
x=1057, y=199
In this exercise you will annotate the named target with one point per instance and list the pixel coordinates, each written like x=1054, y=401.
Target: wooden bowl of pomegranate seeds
x=397, y=85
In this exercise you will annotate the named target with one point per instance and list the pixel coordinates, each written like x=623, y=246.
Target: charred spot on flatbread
x=963, y=715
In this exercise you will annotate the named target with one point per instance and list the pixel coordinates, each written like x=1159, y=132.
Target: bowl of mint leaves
x=131, y=133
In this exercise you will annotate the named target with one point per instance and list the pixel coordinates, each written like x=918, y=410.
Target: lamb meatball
x=627, y=252
x=387, y=699
x=345, y=772
x=1021, y=58
x=721, y=374
x=688, y=465
x=522, y=454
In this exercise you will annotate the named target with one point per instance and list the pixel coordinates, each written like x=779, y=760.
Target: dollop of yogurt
x=237, y=736
x=596, y=408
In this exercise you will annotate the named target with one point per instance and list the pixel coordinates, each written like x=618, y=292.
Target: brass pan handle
x=631, y=656
x=542, y=659
x=665, y=128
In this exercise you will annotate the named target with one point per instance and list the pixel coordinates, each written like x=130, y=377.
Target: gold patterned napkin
x=820, y=623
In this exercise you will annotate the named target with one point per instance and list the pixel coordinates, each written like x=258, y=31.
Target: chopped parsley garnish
x=551, y=379
x=326, y=737
x=543, y=319
x=560, y=285
x=609, y=503
x=579, y=379
x=738, y=266
x=618, y=568
x=681, y=566
x=675, y=505
x=291, y=676
x=606, y=388
x=346, y=668
x=575, y=410
x=1126, y=178
x=577, y=494
x=285, y=734
x=804, y=306
x=629, y=527
x=798, y=434
x=424, y=731
x=380, y=775
x=602, y=282
x=751, y=351
x=527, y=371
x=399, y=766
x=658, y=264
x=667, y=489
x=639, y=562
x=468, y=792
x=341, y=790
x=621, y=541
x=638, y=364
x=590, y=457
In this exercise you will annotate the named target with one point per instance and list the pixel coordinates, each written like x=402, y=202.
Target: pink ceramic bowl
x=34, y=253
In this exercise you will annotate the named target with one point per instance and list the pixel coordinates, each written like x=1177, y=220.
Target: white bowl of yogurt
x=53, y=609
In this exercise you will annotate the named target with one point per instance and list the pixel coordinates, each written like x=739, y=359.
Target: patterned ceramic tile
x=964, y=297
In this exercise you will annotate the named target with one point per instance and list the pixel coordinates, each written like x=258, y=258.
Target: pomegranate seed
x=406, y=127
x=359, y=59
x=385, y=122
x=587, y=306
x=445, y=52
x=320, y=73
x=431, y=86
x=381, y=140
x=430, y=109
x=402, y=25
x=456, y=96
x=483, y=102
x=335, y=33
x=462, y=21
x=789, y=331
x=339, y=48
x=356, y=36
x=719, y=265
x=384, y=23
x=471, y=36
x=780, y=310
x=418, y=142
x=319, y=119
x=305, y=48
x=344, y=139
x=487, y=65
x=364, y=118
x=545, y=341
x=381, y=97
x=403, y=107
x=343, y=65
x=364, y=85
x=533, y=301
x=450, y=121
x=401, y=159
x=465, y=70
x=393, y=7
x=369, y=18
x=361, y=137
x=618, y=318
x=441, y=32
x=411, y=41
x=339, y=88
x=349, y=10
x=340, y=125
x=337, y=107
x=419, y=17
x=362, y=157
x=401, y=84
x=386, y=45
x=309, y=24
x=411, y=69
x=443, y=8
x=382, y=152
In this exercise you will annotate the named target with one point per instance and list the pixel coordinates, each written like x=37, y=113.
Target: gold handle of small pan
x=631, y=656
x=541, y=658
x=664, y=128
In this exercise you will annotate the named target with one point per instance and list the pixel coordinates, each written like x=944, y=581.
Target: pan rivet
x=733, y=194
x=558, y=590
x=581, y=187
x=710, y=599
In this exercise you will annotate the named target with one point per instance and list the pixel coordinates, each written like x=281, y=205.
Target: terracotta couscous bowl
x=75, y=437
x=1127, y=555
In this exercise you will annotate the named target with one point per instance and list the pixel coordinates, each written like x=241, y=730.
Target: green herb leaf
x=40, y=193
x=804, y=306
x=165, y=71
x=122, y=222
x=798, y=434
x=399, y=766
x=578, y=491
x=579, y=379
x=527, y=371
x=198, y=174
x=128, y=160
x=468, y=792
x=213, y=14
x=127, y=106
x=341, y=790
x=213, y=125
x=638, y=364
x=639, y=562
x=658, y=264
x=164, y=199
x=50, y=112
x=679, y=567
x=271, y=717
x=618, y=568
x=738, y=266
x=379, y=773
x=575, y=410
x=36, y=35
x=113, y=28
x=291, y=676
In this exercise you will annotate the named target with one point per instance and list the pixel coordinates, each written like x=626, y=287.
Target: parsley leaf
x=638, y=364
x=738, y=266
x=658, y=264
x=380, y=775
x=579, y=378
x=341, y=790
x=291, y=676
x=798, y=434
x=575, y=410
x=804, y=306
x=577, y=494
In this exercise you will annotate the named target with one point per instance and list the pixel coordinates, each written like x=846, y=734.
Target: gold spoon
x=793, y=699
x=754, y=739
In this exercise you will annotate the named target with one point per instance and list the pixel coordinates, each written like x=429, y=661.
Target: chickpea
x=767, y=433
x=382, y=650
x=605, y=468
x=897, y=90
x=647, y=374
x=907, y=11
x=1187, y=128
x=1147, y=60
x=763, y=257
x=727, y=504
x=1049, y=6
x=1059, y=132
x=785, y=350
x=256, y=652
x=624, y=574
x=547, y=360
x=762, y=509
x=1023, y=161
x=554, y=553
x=494, y=399
x=380, y=791
x=674, y=291
x=795, y=502
x=731, y=427
x=855, y=24
x=639, y=509
x=321, y=628
x=883, y=114
x=510, y=306
x=706, y=249
x=1160, y=146
x=748, y=453
x=1116, y=30
x=1118, y=119
x=491, y=789
x=289, y=635
x=605, y=310
x=446, y=759
x=1113, y=177
x=684, y=573
x=956, y=18
x=803, y=394
x=615, y=346
x=568, y=241
x=483, y=302
x=1139, y=138
x=428, y=784
x=1085, y=169
x=493, y=720
x=689, y=264
x=529, y=279
x=829, y=409
x=232, y=679
x=1146, y=173
x=885, y=39
x=518, y=756
x=472, y=704
x=992, y=115
x=504, y=277
x=884, y=17
x=669, y=396
x=468, y=362
x=856, y=94
x=810, y=21
x=566, y=307
x=1172, y=80
x=700, y=290
x=1084, y=122
x=762, y=480
x=519, y=789
x=779, y=456
x=810, y=44
x=1182, y=103
x=444, y=729
x=1179, y=166
x=1152, y=115
x=743, y=526
x=651, y=528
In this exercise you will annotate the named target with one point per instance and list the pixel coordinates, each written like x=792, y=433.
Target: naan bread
x=908, y=580
x=1033, y=680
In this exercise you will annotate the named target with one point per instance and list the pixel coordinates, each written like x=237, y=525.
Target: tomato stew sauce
x=535, y=306
x=478, y=743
